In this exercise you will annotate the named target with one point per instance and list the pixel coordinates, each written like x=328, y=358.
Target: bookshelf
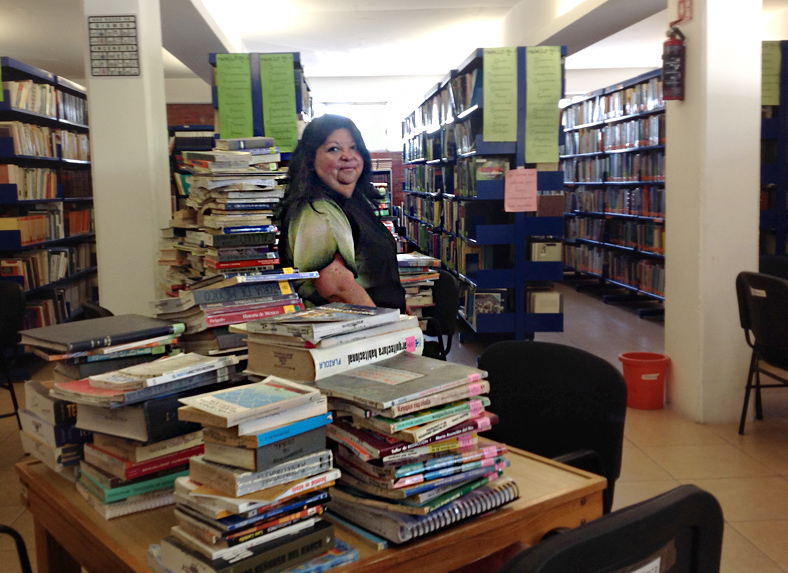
x=47, y=237
x=614, y=176
x=774, y=170
x=453, y=208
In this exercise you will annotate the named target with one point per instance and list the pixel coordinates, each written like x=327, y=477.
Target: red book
x=126, y=469
x=246, y=316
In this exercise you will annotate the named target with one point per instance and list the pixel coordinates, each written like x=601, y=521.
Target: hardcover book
x=402, y=378
x=98, y=332
x=264, y=457
x=126, y=469
x=310, y=364
x=226, y=408
x=54, y=436
x=319, y=322
x=228, y=437
x=52, y=410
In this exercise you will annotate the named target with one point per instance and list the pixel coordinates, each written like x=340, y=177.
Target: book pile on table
x=139, y=446
x=321, y=341
x=417, y=273
x=406, y=439
x=211, y=305
x=257, y=492
x=48, y=431
x=87, y=347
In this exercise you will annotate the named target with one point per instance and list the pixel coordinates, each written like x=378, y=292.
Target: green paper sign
x=277, y=84
x=543, y=92
x=499, y=115
x=770, y=73
x=234, y=91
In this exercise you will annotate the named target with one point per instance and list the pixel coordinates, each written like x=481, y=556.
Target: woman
x=328, y=224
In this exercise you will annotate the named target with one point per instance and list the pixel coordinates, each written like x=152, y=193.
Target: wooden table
x=69, y=533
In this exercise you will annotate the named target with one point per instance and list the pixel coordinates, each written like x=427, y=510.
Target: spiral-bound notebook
x=401, y=527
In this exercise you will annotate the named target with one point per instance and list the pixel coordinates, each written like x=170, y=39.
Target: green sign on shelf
x=279, y=105
x=234, y=91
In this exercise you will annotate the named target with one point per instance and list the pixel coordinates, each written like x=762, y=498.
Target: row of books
x=634, y=234
x=643, y=97
x=645, y=275
x=641, y=132
x=31, y=182
x=41, y=141
x=37, y=268
x=646, y=201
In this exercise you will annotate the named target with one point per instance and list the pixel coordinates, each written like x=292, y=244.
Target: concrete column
x=712, y=182
x=128, y=134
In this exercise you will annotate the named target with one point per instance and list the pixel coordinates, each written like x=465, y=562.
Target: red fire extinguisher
x=673, y=57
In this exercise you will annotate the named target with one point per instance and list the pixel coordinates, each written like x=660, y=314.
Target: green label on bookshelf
x=770, y=73
x=499, y=115
x=234, y=90
x=542, y=115
x=279, y=105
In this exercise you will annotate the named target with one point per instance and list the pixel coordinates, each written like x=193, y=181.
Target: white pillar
x=128, y=133
x=712, y=182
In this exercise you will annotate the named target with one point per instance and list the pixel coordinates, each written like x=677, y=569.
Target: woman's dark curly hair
x=304, y=185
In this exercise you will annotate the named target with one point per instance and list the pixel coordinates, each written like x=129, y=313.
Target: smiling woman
x=328, y=224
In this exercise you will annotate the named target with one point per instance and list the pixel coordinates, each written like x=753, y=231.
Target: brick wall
x=189, y=114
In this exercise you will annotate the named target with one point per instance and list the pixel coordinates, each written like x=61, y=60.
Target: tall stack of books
x=406, y=439
x=226, y=226
x=48, y=431
x=318, y=342
x=139, y=446
x=211, y=305
x=256, y=495
x=417, y=273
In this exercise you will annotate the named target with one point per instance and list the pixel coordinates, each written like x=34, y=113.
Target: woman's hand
x=336, y=283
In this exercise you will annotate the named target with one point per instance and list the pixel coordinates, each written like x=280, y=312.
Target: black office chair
x=93, y=310
x=559, y=402
x=441, y=319
x=776, y=265
x=12, y=315
x=21, y=548
x=682, y=528
x=763, y=308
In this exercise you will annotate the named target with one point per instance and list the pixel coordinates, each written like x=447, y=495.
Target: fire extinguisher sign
x=684, y=11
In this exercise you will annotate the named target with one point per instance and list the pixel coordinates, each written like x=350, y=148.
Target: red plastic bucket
x=644, y=373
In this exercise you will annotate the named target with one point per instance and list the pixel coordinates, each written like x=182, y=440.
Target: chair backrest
x=446, y=295
x=553, y=399
x=763, y=306
x=93, y=310
x=684, y=526
x=12, y=313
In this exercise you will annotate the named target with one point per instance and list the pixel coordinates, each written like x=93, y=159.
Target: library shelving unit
x=613, y=162
x=47, y=238
x=381, y=179
x=453, y=208
x=774, y=169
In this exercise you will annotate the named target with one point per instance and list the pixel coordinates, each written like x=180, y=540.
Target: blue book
x=266, y=437
x=249, y=229
x=341, y=554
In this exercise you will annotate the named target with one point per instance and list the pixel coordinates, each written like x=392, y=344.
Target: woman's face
x=338, y=162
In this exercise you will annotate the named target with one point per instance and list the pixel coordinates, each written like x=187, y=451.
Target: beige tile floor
x=748, y=474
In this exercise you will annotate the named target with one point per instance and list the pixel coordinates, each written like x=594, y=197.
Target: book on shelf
x=257, y=459
x=398, y=379
x=53, y=435
x=400, y=527
x=231, y=437
x=98, y=332
x=161, y=371
x=404, y=322
x=226, y=408
x=310, y=364
x=327, y=320
x=269, y=557
x=237, y=482
x=126, y=507
x=126, y=469
x=545, y=302
x=138, y=452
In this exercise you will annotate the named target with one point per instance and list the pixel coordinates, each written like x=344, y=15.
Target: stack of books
x=87, y=347
x=48, y=431
x=211, y=305
x=318, y=342
x=406, y=439
x=257, y=493
x=417, y=273
x=139, y=446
